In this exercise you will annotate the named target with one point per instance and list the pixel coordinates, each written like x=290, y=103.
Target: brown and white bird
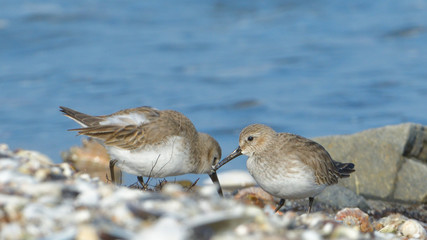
x=286, y=165
x=147, y=142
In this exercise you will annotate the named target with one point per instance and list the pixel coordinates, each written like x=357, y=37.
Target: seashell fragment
x=345, y=232
x=33, y=155
x=390, y=224
x=355, y=217
x=413, y=229
x=254, y=196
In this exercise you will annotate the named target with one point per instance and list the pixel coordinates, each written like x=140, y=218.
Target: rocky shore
x=43, y=200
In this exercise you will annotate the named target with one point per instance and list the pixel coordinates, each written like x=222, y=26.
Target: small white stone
x=56, y=170
x=4, y=147
x=234, y=179
x=328, y=228
x=208, y=191
x=15, y=178
x=35, y=156
x=121, y=194
x=86, y=232
x=172, y=189
x=88, y=196
x=11, y=231
x=12, y=206
x=345, y=232
x=42, y=189
x=8, y=163
x=165, y=228
x=67, y=170
x=242, y=230
x=120, y=213
x=311, y=235
x=82, y=216
x=42, y=174
x=85, y=176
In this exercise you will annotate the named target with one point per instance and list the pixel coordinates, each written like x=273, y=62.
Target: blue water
x=313, y=68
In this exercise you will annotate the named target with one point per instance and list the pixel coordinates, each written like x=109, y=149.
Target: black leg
x=310, y=203
x=280, y=205
x=141, y=180
x=112, y=163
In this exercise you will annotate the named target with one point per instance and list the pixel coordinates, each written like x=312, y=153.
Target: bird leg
x=281, y=203
x=141, y=181
x=112, y=163
x=310, y=203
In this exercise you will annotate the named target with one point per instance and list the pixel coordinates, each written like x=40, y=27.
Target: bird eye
x=250, y=138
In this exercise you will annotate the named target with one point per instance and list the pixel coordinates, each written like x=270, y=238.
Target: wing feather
x=313, y=155
x=160, y=126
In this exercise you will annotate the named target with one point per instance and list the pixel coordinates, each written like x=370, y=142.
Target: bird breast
x=289, y=179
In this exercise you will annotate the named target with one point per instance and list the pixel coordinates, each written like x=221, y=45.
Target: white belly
x=168, y=159
x=295, y=183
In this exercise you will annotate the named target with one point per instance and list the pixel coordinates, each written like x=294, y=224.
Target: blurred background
x=313, y=68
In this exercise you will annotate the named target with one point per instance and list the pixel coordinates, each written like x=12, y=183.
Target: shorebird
x=286, y=165
x=147, y=142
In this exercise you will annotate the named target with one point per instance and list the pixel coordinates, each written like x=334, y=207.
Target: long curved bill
x=215, y=180
x=230, y=157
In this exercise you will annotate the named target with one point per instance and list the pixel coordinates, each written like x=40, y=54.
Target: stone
x=412, y=182
x=233, y=180
x=340, y=197
x=378, y=155
x=92, y=158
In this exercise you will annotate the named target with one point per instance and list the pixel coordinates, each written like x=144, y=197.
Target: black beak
x=215, y=180
x=230, y=157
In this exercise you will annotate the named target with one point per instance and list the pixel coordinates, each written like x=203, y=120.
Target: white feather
x=167, y=159
x=126, y=119
x=290, y=183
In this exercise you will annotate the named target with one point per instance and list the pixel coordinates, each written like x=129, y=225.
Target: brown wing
x=160, y=125
x=314, y=155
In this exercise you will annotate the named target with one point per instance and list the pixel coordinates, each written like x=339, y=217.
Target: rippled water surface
x=309, y=67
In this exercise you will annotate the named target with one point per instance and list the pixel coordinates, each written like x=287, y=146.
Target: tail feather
x=344, y=169
x=83, y=119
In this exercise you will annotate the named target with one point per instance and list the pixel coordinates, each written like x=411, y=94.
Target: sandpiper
x=286, y=165
x=147, y=142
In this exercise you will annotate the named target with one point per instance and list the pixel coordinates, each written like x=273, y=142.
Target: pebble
x=43, y=200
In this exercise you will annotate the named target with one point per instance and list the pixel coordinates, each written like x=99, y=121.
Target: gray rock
x=340, y=197
x=378, y=155
x=412, y=182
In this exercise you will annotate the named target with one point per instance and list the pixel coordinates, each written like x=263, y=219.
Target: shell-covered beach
x=43, y=200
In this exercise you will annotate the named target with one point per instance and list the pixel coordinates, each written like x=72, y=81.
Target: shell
x=87, y=232
x=355, y=217
x=390, y=224
x=344, y=232
x=34, y=156
x=254, y=196
x=413, y=229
